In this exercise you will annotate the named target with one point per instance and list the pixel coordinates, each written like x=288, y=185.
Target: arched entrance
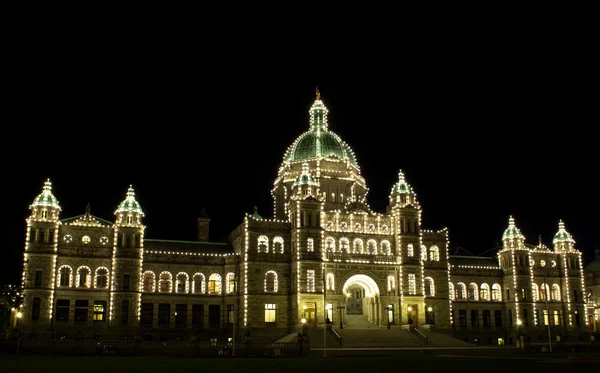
x=362, y=299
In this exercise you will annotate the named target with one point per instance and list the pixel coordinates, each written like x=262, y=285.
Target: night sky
x=479, y=136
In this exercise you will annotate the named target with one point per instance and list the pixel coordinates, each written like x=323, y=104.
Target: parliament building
x=324, y=256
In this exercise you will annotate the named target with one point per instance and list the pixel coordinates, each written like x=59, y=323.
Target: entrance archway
x=362, y=299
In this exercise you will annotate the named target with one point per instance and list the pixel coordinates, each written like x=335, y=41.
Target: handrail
x=422, y=335
x=336, y=335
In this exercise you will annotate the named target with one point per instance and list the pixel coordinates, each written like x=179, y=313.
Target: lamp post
x=19, y=315
x=341, y=323
x=547, y=314
x=519, y=322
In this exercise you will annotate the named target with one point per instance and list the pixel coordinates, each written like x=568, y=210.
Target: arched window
x=484, y=292
x=535, y=292
x=451, y=291
x=214, y=284
x=461, y=291
x=230, y=283
x=84, y=277
x=385, y=247
x=332, y=197
x=344, y=245
x=183, y=281
x=165, y=282
x=496, y=293
x=263, y=244
x=391, y=283
x=372, y=247
x=271, y=285
x=330, y=245
x=148, y=281
x=589, y=297
x=101, y=278
x=544, y=292
x=278, y=245
x=65, y=276
x=330, y=281
x=423, y=253
x=473, y=291
x=341, y=198
x=357, y=247
x=429, y=287
x=555, y=292
x=434, y=254
x=199, y=285
x=410, y=251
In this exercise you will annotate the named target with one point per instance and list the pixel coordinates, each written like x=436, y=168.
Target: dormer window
x=130, y=219
x=44, y=214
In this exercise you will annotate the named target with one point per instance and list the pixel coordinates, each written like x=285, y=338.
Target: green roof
x=305, y=178
x=130, y=204
x=512, y=231
x=255, y=214
x=319, y=142
x=562, y=235
x=401, y=186
x=46, y=198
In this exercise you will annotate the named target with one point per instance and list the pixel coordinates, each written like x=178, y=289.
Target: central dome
x=319, y=144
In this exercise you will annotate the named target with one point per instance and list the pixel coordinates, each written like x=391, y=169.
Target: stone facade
x=325, y=255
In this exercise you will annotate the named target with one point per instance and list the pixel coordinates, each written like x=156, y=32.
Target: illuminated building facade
x=325, y=254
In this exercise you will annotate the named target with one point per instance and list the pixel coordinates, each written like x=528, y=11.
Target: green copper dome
x=319, y=142
x=401, y=186
x=305, y=178
x=46, y=198
x=512, y=231
x=130, y=204
x=562, y=235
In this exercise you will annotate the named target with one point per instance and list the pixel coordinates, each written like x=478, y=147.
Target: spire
x=130, y=204
x=255, y=213
x=401, y=186
x=88, y=209
x=318, y=114
x=562, y=235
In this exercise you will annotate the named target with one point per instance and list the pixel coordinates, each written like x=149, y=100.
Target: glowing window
x=86, y=240
x=310, y=281
x=214, y=284
x=270, y=313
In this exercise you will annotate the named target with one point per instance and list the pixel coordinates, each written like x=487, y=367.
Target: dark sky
x=481, y=132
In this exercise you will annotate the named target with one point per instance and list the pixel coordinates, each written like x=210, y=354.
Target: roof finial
x=541, y=245
x=88, y=208
x=318, y=93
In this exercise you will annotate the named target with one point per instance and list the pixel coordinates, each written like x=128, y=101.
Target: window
x=35, y=309
x=164, y=283
x=555, y=292
x=473, y=291
x=525, y=317
x=330, y=281
x=270, y=313
x=423, y=253
x=484, y=292
x=546, y=320
x=148, y=284
x=391, y=284
x=429, y=315
x=230, y=283
x=462, y=318
x=124, y=312
x=198, y=314
x=451, y=291
x=330, y=312
x=429, y=287
x=101, y=278
x=544, y=292
x=575, y=296
x=461, y=291
x=214, y=284
x=310, y=280
x=230, y=314
x=81, y=310
x=199, y=284
x=557, y=317
x=38, y=279
x=271, y=282
x=344, y=245
x=474, y=318
x=83, y=277
x=278, y=245
x=372, y=247
x=263, y=244
x=99, y=310
x=332, y=197
x=385, y=248
x=486, y=319
x=126, y=282
x=498, y=318
x=86, y=240
x=181, y=315
x=358, y=246
x=147, y=314
x=330, y=245
x=410, y=250
x=310, y=245
x=182, y=282
x=535, y=294
x=164, y=314
x=64, y=276
x=434, y=254
x=412, y=284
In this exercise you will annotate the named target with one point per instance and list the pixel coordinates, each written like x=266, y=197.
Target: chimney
x=203, y=222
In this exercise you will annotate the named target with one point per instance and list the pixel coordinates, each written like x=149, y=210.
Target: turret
x=562, y=239
x=512, y=237
x=305, y=185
